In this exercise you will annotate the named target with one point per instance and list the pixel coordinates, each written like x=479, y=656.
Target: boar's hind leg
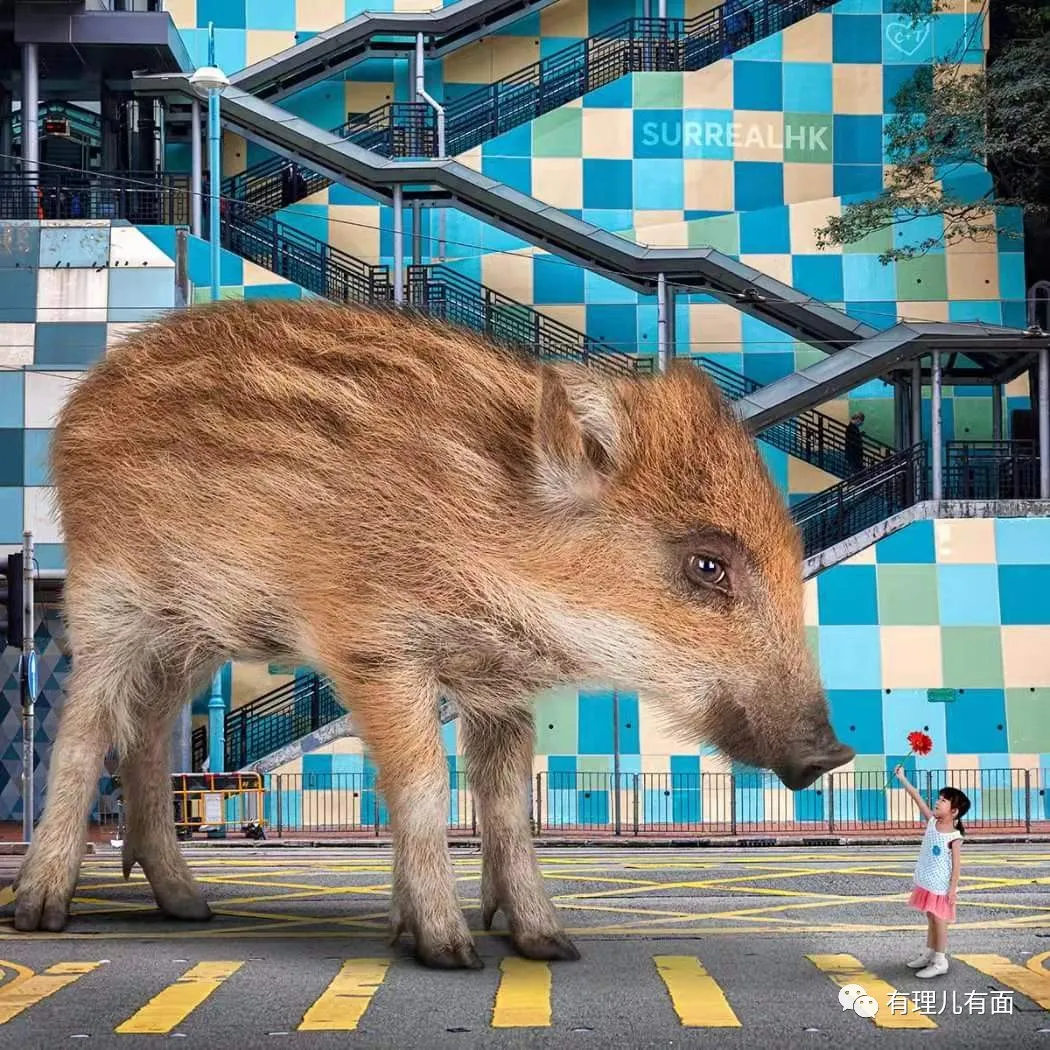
x=401, y=728
x=150, y=837
x=499, y=758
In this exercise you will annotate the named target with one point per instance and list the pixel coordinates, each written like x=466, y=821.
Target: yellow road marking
x=7, y=895
x=30, y=988
x=343, y=1003
x=176, y=1002
x=845, y=969
x=523, y=999
x=695, y=994
x=1032, y=981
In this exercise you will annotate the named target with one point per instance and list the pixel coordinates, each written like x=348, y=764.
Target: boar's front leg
x=402, y=730
x=499, y=751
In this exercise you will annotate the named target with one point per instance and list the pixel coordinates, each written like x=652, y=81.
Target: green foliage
x=949, y=118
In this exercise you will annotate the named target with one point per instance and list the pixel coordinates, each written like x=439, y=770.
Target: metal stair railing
x=84, y=124
x=863, y=500
x=441, y=292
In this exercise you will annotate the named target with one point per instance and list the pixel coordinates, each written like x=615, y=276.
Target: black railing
x=83, y=124
x=863, y=500
x=278, y=718
x=198, y=749
x=142, y=198
x=812, y=436
x=441, y=292
x=991, y=470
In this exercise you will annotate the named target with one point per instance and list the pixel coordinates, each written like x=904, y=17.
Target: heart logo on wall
x=907, y=38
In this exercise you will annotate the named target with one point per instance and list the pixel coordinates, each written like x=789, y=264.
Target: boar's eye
x=705, y=571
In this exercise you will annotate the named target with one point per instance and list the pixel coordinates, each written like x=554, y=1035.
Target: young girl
x=937, y=871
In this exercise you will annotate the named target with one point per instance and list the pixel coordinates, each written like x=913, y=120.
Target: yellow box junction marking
x=30, y=988
x=695, y=994
x=523, y=999
x=1030, y=980
x=176, y=1002
x=845, y=969
x=344, y=1002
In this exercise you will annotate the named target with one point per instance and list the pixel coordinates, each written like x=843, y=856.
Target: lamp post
x=212, y=80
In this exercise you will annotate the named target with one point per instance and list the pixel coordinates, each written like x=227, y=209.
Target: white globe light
x=208, y=78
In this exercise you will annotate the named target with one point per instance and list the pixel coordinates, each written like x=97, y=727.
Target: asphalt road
x=722, y=948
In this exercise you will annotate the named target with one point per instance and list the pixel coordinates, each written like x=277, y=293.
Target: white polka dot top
x=933, y=870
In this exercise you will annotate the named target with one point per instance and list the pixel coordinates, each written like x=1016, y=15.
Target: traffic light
x=13, y=599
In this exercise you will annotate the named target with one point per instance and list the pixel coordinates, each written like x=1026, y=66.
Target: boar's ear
x=577, y=435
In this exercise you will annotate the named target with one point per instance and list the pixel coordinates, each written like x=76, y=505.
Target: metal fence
x=746, y=804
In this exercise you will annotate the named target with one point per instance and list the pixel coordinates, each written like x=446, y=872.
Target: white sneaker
x=936, y=968
x=921, y=960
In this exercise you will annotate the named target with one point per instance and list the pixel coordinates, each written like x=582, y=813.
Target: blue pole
x=216, y=726
x=214, y=173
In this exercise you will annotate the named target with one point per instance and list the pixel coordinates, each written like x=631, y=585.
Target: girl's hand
x=899, y=773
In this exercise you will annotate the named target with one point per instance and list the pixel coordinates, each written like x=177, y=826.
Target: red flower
x=920, y=743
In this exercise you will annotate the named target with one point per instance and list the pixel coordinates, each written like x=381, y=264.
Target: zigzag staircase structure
x=379, y=153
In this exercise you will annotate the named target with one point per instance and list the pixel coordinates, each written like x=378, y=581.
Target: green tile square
x=973, y=418
x=924, y=278
x=878, y=416
x=869, y=764
x=813, y=641
x=557, y=722
x=658, y=91
x=1028, y=720
x=594, y=763
x=721, y=232
x=558, y=133
x=806, y=356
x=875, y=243
x=202, y=293
x=907, y=595
x=809, y=138
x=972, y=657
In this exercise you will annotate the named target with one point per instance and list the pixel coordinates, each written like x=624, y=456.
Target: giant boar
x=412, y=511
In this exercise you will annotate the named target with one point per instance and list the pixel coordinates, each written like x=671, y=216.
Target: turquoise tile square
x=1022, y=541
x=659, y=184
x=71, y=344
x=37, y=450
x=11, y=514
x=914, y=544
x=12, y=397
x=139, y=293
x=968, y=595
x=19, y=247
x=1024, y=594
x=850, y=657
x=847, y=594
x=77, y=247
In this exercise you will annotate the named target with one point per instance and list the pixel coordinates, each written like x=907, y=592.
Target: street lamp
x=211, y=81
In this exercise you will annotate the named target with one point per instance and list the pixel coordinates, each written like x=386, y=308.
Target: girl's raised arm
x=925, y=810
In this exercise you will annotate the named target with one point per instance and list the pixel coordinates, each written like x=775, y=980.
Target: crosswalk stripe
x=343, y=1003
x=24, y=992
x=1027, y=980
x=523, y=999
x=695, y=994
x=845, y=969
x=176, y=1002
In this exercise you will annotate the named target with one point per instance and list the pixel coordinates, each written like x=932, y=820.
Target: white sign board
x=212, y=807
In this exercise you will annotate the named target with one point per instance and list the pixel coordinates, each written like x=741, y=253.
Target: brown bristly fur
x=412, y=511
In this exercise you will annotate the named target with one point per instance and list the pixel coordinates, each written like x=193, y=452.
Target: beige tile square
x=1026, y=656
x=760, y=135
x=776, y=266
x=972, y=275
x=653, y=737
x=810, y=603
x=568, y=18
x=660, y=234
x=806, y=217
x=911, y=657
x=41, y=514
x=708, y=185
x=361, y=96
x=936, y=310
x=864, y=557
x=558, y=181
x=573, y=316
x=17, y=343
x=234, y=153
x=856, y=88
x=808, y=40
x=263, y=43
x=314, y=15
x=714, y=328
x=413, y=6
x=72, y=295
x=804, y=477
x=965, y=541
x=1019, y=387
x=958, y=763
x=1023, y=761
x=655, y=765
x=183, y=13
x=806, y=182
x=608, y=133
x=709, y=88
x=354, y=229
x=511, y=275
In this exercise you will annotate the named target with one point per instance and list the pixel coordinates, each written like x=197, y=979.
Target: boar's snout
x=799, y=772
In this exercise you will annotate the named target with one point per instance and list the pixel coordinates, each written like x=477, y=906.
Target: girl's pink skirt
x=936, y=904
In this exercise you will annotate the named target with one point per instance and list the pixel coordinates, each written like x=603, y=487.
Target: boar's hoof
x=38, y=911
x=449, y=957
x=546, y=946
